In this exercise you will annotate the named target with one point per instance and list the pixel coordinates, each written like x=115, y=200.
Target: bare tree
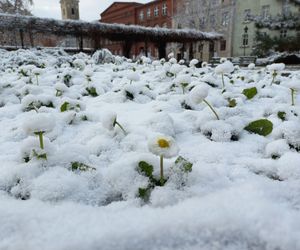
x=206, y=15
x=16, y=6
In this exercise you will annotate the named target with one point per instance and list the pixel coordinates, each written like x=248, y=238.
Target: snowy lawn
x=148, y=155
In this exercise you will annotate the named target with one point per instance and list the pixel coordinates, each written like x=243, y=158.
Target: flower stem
x=40, y=134
x=120, y=126
x=273, y=80
x=223, y=82
x=161, y=170
x=293, y=96
x=212, y=109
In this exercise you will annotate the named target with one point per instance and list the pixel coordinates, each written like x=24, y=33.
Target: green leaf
x=64, y=107
x=183, y=164
x=67, y=79
x=92, y=91
x=144, y=193
x=75, y=166
x=232, y=103
x=281, y=115
x=145, y=168
x=184, y=84
x=250, y=93
x=262, y=127
x=169, y=74
x=129, y=95
x=42, y=156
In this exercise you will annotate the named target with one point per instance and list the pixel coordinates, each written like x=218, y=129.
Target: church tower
x=70, y=9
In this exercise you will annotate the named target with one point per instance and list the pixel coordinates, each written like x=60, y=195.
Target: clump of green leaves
x=169, y=74
x=129, y=95
x=231, y=103
x=35, y=105
x=250, y=93
x=66, y=106
x=67, y=80
x=79, y=166
x=262, y=127
x=281, y=115
x=92, y=91
x=183, y=86
x=181, y=167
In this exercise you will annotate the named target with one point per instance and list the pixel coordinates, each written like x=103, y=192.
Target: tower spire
x=69, y=9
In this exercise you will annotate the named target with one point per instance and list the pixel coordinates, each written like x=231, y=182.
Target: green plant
x=250, y=93
x=262, y=127
x=78, y=166
x=92, y=91
x=181, y=167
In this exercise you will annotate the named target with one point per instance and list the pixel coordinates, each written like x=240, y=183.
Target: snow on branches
x=112, y=31
x=277, y=22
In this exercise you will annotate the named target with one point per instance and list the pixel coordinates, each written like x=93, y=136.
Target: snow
x=198, y=93
x=90, y=29
x=276, y=67
x=39, y=123
x=225, y=67
x=242, y=192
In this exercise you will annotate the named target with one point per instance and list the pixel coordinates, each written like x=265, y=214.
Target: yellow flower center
x=163, y=143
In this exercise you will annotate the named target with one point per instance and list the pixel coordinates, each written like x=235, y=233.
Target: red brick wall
x=129, y=13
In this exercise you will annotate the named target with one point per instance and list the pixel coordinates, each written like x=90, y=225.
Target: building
x=153, y=14
x=245, y=29
x=69, y=9
x=232, y=18
x=157, y=13
x=212, y=15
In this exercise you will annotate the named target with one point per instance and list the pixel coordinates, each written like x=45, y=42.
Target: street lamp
x=245, y=39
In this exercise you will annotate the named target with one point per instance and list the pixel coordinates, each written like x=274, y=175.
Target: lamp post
x=245, y=39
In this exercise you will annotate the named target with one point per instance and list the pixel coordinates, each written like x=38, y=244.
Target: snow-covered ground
x=80, y=188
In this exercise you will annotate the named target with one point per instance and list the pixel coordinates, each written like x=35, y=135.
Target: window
x=212, y=20
x=148, y=12
x=247, y=14
x=223, y=45
x=283, y=33
x=265, y=11
x=156, y=11
x=225, y=19
x=142, y=15
x=200, y=47
x=179, y=26
x=286, y=9
x=192, y=24
x=202, y=22
x=164, y=9
x=73, y=11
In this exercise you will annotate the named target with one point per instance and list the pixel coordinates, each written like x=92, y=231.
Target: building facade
x=245, y=29
x=69, y=9
x=157, y=13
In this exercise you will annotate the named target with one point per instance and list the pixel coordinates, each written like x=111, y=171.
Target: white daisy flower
x=194, y=62
x=223, y=59
x=204, y=64
x=39, y=123
x=198, y=94
x=162, y=145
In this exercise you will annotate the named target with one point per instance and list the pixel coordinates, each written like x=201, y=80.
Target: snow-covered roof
x=97, y=29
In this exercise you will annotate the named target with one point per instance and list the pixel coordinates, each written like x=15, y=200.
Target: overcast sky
x=89, y=9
